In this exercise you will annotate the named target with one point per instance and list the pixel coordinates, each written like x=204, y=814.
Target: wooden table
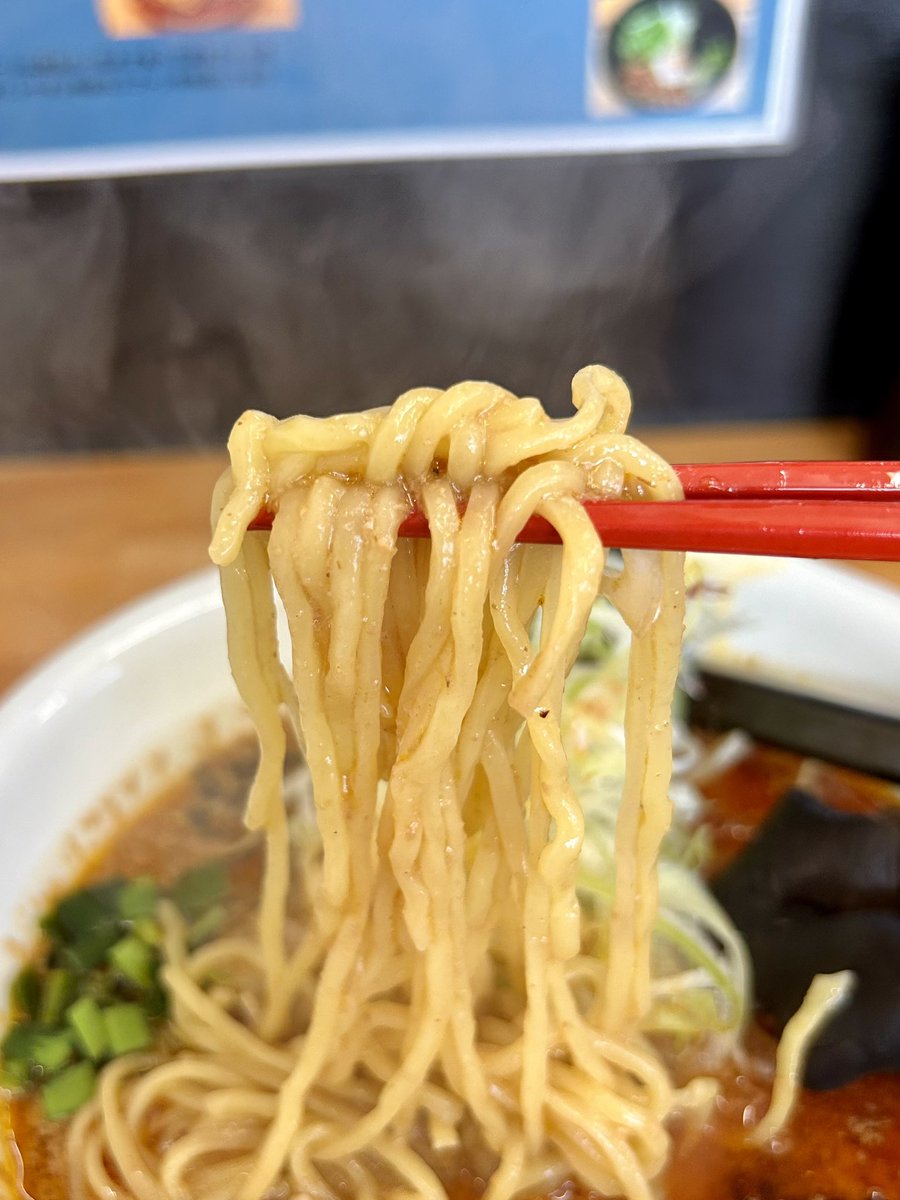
x=82, y=535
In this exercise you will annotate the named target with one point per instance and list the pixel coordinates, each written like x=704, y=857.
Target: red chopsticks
x=860, y=529
x=791, y=480
x=792, y=509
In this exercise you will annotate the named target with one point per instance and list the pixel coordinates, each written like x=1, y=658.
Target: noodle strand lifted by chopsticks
x=430, y=994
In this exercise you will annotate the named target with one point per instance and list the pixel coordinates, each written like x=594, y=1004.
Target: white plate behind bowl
x=142, y=680
x=809, y=627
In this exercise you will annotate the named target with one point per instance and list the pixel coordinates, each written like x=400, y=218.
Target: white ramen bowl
x=128, y=704
x=98, y=729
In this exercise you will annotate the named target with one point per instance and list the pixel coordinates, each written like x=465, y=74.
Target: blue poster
x=100, y=87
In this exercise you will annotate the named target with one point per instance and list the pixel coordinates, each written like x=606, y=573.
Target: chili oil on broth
x=843, y=1145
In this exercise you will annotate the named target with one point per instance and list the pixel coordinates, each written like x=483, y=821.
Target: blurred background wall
x=150, y=312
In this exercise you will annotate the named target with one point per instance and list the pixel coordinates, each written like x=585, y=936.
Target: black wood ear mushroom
x=818, y=891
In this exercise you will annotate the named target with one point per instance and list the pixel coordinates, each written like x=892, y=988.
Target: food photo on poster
x=670, y=54
x=146, y=18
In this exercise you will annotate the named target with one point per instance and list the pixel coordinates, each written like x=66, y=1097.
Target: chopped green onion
x=136, y=899
x=99, y=985
x=57, y=992
x=96, y=992
x=200, y=888
x=15, y=1075
x=134, y=959
x=148, y=931
x=126, y=1028
x=53, y=1052
x=90, y=950
x=155, y=1002
x=80, y=914
x=86, y=1021
x=42, y=1046
x=48, y=925
x=107, y=892
x=68, y=1091
x=207, y=926
x=26, y=992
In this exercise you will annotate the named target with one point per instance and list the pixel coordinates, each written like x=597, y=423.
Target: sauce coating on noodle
x=843, y=1145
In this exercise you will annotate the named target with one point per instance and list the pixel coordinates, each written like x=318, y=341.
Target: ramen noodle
x=437, y=992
